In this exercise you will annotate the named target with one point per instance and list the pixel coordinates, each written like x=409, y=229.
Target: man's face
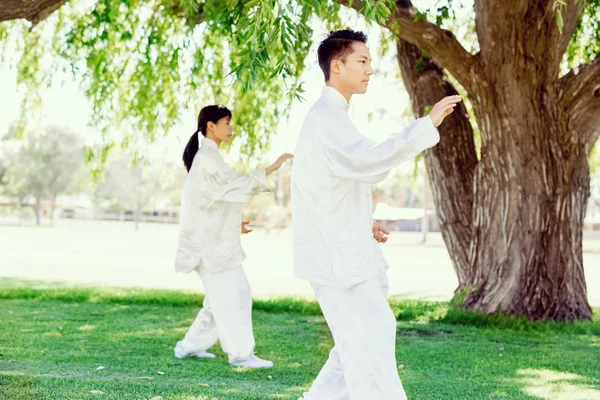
x=355, y=71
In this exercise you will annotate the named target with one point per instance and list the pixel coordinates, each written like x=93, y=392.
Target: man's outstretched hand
x=443, y=108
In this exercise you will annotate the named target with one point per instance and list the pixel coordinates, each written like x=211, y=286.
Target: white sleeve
x=225, y=184
x=350, y=155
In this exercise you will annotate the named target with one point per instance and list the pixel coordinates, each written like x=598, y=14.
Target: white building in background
x=405, y=219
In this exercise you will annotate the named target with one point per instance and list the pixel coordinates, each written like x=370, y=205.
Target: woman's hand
x=245, y=228
x=279, y=162
x=380, y=233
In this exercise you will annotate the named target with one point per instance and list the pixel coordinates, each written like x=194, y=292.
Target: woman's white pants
x=226, y=316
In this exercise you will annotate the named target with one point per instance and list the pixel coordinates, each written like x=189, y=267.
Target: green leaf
x=559, y=21
x=252, y=3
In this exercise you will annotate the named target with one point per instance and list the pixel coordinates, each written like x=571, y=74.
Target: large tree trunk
x=513, y=221
x=531, y=189
x=532, y=183
x=451, y=163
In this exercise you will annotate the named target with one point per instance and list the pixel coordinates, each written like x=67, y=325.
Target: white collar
x=336, y=98
x=209, y=144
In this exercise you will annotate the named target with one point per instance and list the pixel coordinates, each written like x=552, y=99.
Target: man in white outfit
x=335, y=239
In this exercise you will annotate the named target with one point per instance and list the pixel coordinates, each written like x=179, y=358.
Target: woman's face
x=221, y=130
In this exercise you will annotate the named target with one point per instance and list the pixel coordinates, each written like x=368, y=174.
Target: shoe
x=252, y=362
x=199, y=354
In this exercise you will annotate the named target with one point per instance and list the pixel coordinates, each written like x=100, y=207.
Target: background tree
x=48, y=163
x=134, y=185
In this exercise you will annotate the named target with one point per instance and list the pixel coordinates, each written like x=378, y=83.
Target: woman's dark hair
x=338, y=44
x=208, y=114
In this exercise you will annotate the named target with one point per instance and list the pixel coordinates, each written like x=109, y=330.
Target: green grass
x=52, y=340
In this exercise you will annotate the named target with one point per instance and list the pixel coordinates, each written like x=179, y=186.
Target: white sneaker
x=199, y=354
x=252, y=362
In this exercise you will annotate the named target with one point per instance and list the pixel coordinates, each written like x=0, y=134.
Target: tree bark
x=530, y=194
x=451, y=164
x=579, y=95
x=36, y=11
x=532, y=183
x=31, y=10
x=525, y=199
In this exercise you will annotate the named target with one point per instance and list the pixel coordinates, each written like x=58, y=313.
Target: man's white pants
x=226, y=315
x=362, y=364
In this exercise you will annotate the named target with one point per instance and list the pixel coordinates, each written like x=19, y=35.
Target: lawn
x=86, y=343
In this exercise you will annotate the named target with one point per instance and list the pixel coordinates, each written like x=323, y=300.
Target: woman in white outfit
x=209, y=242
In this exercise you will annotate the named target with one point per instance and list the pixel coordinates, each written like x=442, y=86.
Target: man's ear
x=335, y=66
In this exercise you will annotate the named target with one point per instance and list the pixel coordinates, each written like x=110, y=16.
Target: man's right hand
x=443, y=108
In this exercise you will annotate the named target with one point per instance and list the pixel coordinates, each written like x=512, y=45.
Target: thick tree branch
x=515, y=31
x=37, y=10
x=493, y=24
x=31, y=10
x=571, y=12
x=579, y=93
x=580, y=79
x=441, y=44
